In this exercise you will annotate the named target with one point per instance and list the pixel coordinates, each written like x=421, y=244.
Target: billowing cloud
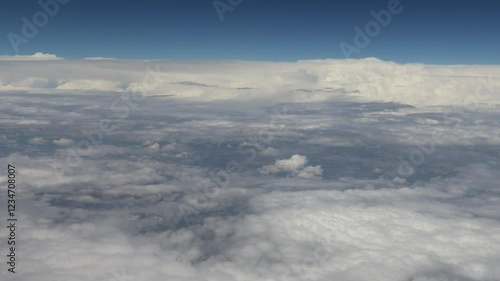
x=295, y=165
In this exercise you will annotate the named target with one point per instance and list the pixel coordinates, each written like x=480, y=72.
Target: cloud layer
x=302, y=81
x=235, y=171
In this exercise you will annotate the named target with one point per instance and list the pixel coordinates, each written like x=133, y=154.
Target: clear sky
x=440, y=32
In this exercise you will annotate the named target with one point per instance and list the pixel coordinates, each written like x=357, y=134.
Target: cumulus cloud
x=295, y=165
x=63, y=142
x=155, y=147
x=269, y=151
x=35, y=57
x=37, y=141
x=168, y=147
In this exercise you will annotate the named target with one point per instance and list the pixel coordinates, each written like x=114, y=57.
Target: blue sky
x=440, y=32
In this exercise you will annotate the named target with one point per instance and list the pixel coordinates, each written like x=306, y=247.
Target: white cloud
x=294, y=165
x=168, y=147
x=99, y=58
x=91, y=85
x=373, y=235
x=35, y=57
x=155, y=147
x=183, y=154
x=269, y=151
x=310, y=171
x=63, y=142
x=34, y=82
x=37, y=141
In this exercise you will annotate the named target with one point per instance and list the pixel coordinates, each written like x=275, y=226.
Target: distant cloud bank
x=303, y=81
